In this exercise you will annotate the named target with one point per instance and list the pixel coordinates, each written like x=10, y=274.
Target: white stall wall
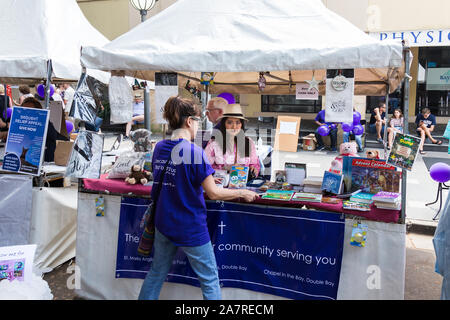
x=97, y=252
x=15, y=209
x=54, y=225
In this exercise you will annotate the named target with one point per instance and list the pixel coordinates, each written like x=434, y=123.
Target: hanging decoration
x=192, y=89
x=207, y=78
x=313, y=83
x=261, y=82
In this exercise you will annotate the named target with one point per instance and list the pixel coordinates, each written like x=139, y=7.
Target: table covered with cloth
x=119, y=186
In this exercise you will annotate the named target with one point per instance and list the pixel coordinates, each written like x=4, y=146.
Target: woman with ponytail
x=180, y=219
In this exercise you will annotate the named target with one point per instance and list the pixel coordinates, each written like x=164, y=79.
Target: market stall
x=286, y=42
x=44, y=50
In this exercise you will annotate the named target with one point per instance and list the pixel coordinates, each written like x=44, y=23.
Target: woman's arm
x=215, y=193
x=254, y=159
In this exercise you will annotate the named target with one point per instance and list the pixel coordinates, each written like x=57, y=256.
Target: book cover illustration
x=238, y=177
x=354, y=205
x=385, y=196
x=370, y=175
x=362, y=197
x=404, y=151
x=332, y=182
x=305, y=196
x=278, y=195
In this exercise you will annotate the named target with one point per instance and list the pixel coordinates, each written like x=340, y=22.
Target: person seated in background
x=138, y=113
x=425, y=122
x=233, y=147
x=67, y=96
x=5, y=103
x=377, y=121
x=395, y=125
x=320, y=121
x=52, y=133
x=24, y=93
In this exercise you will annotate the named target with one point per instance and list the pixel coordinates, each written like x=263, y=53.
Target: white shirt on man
x=68, y=96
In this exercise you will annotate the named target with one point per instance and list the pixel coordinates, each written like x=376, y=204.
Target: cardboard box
x=286, y=138
x=62, y=152
x=309, y=142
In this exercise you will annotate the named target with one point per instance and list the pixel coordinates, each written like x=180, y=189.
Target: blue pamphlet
x=25, y=145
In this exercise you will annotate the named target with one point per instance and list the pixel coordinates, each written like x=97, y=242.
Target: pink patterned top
x=218, y=160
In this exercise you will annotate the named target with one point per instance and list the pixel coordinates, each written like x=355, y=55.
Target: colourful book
x=278, y=195
x=332, y=182
x=388, y=206
x=384, y=196
x=362, y=197
x=404, y=150
x=353, y=205
x=238, y=177
x=307, y=197
x=370, y=175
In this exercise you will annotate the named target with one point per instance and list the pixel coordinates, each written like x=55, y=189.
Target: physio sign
x=25, y=145
x=284, y=252
x=422, y=38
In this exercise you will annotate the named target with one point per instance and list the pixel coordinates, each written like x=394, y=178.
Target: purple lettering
x=385, y=36
x=440, y=35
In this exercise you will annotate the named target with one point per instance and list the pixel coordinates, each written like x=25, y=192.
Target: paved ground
x=421, y=282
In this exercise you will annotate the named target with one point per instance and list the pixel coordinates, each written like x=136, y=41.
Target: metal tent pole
x=386, y=119
x=47, y=84
x=147, y=115
x=406, y=51
x=204, y=104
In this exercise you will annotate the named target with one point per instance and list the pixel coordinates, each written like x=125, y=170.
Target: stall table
x=376, y=271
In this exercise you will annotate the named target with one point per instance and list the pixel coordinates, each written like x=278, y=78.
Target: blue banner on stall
x=25, y=144
x=286, y=252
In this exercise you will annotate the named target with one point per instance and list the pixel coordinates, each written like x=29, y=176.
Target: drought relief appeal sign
x=26, y=140
x=303, y=263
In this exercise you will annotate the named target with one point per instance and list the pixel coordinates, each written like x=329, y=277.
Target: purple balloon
x=440, y=172
x=8, y=113
x=323, y=130
x=333, y=126
x=358, y=130
x=356, y=118
x=227, y=96
x=41, y=90
x=69, y=126
x=347, y=127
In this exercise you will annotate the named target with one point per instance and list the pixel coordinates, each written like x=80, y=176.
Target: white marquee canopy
x=240, y=38
x=34, y=32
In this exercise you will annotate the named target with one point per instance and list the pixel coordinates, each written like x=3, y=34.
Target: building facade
x=425, y=26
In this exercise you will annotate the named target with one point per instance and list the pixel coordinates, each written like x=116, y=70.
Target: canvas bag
x=148, y=235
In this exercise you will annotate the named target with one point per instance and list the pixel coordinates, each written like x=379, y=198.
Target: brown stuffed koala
x=138, y=175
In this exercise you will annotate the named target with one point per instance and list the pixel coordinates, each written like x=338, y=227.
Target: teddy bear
x=346, y=149
x=372, y=154
x=138, y=175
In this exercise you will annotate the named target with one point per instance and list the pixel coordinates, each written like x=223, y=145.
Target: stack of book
x=355, y=205
x=312, y=184
x=307, y=197
x=387, y=200
x=284, y=195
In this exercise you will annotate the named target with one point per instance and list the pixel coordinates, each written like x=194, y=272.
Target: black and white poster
x=86, y=157
x=340, y=88
x=83, y=106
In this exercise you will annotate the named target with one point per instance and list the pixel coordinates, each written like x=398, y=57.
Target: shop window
x=289, y=104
